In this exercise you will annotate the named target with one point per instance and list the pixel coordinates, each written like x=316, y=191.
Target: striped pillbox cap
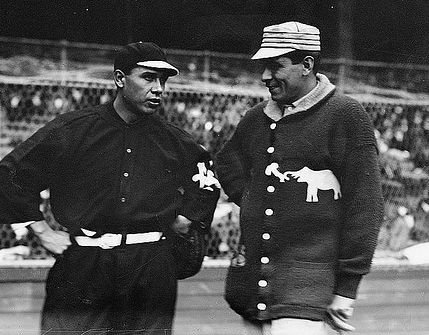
x=282, y=38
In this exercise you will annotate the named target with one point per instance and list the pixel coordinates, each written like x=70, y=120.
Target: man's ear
x=119, y=77
x=308, y=65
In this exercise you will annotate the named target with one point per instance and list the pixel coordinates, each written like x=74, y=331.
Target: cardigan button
x=269, y=212
x=265, y=260
x=266, y=236
x=270, y=150
x=271, y=189
x=262, y=283
x=273, y=126
x=261, y=306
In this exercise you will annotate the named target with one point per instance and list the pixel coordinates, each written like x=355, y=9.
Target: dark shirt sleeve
x=199, y=204
x=230, y=166
x=24, y=173
x=363, y=205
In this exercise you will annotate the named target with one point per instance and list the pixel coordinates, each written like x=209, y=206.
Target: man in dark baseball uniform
x=303, y=168
x=119, y=176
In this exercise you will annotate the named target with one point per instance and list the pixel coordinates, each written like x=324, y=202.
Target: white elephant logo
x=316, y=180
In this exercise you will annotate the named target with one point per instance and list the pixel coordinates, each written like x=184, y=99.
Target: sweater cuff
x=347, y=285
x=237, y=195
x=200, y=206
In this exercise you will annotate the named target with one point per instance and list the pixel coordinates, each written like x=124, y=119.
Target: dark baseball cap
x=146, y=54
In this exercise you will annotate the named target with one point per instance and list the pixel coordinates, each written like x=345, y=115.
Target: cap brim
x=271, y=52
x=161, y=65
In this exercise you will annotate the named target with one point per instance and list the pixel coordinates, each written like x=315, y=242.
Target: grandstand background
x=41, y=79
x=56, y=56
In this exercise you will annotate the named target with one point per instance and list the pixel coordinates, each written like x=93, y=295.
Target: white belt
x=109, y=241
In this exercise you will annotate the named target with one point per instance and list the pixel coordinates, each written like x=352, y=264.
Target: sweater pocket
x=303, y=283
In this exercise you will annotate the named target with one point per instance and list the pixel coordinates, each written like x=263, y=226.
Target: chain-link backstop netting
x=211, y=115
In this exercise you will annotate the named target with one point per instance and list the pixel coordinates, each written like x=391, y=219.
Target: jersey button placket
x=125, y=186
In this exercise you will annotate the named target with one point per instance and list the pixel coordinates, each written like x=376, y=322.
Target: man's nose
x=157, y=87
x=266, y=75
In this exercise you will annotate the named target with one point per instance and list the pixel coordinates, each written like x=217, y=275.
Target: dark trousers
x=124, y=290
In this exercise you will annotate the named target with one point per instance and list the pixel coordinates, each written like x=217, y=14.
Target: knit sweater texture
x=308, y=186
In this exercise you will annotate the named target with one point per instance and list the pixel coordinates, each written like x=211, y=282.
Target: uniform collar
x=109, y=113
x=323, y=88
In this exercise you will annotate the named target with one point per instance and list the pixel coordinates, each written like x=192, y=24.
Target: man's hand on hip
x=181, y=225
x=339, y=312
x=54, y=241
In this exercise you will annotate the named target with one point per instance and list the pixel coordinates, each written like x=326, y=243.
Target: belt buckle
x=109, y=241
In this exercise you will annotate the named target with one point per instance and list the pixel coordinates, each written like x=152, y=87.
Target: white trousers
x=287, y=326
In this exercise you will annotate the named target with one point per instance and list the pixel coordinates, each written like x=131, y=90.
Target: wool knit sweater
x=308, y=186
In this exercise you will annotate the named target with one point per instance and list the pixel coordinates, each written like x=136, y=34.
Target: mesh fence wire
x=211, y=116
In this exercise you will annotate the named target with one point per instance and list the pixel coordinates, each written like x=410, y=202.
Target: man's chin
x=279, y=99
x=150, y=109
x=274, y=95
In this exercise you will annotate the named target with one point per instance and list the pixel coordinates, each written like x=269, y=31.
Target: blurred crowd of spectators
x=210, y=118
x=402, y=132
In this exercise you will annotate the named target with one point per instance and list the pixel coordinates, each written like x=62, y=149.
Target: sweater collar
x=323, y=88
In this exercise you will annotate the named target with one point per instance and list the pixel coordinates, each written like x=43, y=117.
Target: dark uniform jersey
x=107, y=176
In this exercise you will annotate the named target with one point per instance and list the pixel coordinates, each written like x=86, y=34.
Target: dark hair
x=298, y=56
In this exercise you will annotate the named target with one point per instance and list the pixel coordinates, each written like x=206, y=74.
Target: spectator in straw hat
x=119, y=176
x=302, y=166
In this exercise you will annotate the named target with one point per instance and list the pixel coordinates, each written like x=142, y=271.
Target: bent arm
x=201, y=188
x=231, y=168
x=363, y=215
x=54, y=241
x=24, y=173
